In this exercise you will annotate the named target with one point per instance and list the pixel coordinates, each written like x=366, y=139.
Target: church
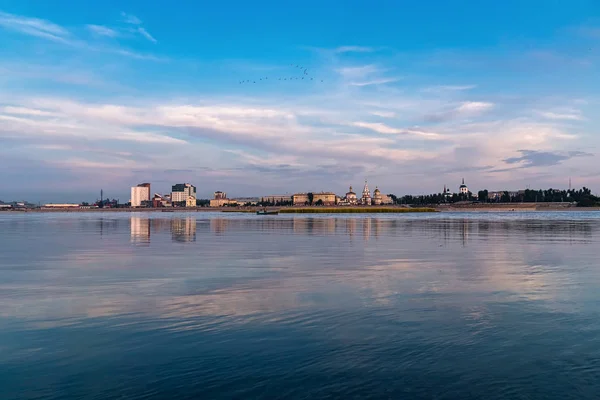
x=366, y=199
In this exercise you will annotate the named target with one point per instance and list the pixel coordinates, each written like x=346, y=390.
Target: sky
x=410, y=96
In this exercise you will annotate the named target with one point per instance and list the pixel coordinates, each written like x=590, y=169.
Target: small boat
x=266, y=212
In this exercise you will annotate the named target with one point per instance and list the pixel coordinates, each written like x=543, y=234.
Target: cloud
x=145, y=34
x=567, y=116
x=354, y=49
x=375, y=82
x=383, y=114
x=384, y=129
x=358, y=72
x=448, y=88
x=130, y=19
x=26, y=111
x=52, y=122
x=102, y=31
x=47, y=30
x=465, y=109
x=34, y=27
x=532, y=158
x=474, y=107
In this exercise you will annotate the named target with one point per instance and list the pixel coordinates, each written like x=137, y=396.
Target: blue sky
x=410, y=95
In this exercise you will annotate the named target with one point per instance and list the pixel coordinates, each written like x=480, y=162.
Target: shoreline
x=333, y=210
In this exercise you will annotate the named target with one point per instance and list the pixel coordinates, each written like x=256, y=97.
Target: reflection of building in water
x=140, y=230
x=183, y=229
x=351, y=226
x=218, y=225
x=366, y=228
x=377, y=225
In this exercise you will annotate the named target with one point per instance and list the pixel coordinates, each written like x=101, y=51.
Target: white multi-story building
x=181, y=193
x=140, y=194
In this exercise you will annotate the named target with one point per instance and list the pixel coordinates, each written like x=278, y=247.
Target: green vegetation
x=202, y=202
x=354, y=210
x=582, y=197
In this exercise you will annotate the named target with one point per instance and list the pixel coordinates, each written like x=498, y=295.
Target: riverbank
x=354, y=210
x=516, y=207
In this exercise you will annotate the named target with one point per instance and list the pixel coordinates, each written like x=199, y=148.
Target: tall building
x=140, y=195
x=351, y=197
x=377, y=197
x=366, y=195
x=182, y=193
x=463, y=189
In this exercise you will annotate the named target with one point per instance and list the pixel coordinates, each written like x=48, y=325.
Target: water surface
x=220, y=306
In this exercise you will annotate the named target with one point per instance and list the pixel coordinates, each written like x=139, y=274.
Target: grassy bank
x=353, y=210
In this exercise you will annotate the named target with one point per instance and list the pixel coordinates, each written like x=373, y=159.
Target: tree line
x=583, y=197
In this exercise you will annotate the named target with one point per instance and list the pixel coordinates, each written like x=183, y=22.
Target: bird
x=302, y=77
x=311, y=79
x=255, y=81
x=321, y=80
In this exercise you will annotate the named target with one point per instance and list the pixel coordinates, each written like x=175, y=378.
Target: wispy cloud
x=354, y=49
x=532, y=158
x=383, y=114
x=448, y=88
x=145, y=34
x=567, y=116
x=358, y=72
x=50, y=31
x=375, y=82
x=130, y=19
x=34, y=27
x=474, y=107
x=464, y=109
x=385, y=129
x=133, y=20
x=102, y=31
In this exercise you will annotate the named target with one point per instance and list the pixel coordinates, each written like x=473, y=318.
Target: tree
x=202, y=202
x=483, y=196
x=310, y=198
x=319, y=202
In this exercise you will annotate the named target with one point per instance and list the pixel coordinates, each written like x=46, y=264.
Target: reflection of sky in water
x=355, y=284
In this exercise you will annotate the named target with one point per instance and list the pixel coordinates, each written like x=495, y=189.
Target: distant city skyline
x=412, y=96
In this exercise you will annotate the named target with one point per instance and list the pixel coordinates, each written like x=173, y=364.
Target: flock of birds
x=297, y=78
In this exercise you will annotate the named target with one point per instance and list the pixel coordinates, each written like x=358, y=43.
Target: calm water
x=214, y=306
